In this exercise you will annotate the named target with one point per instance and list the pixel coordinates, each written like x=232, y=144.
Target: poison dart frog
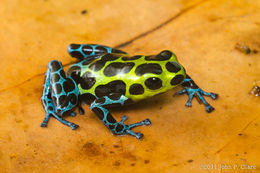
x=105, y=77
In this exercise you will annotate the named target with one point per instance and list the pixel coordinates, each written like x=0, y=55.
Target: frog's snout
x=75, y=51
x=73, y=47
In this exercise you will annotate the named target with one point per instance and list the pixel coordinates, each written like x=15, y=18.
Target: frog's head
x=89, y=51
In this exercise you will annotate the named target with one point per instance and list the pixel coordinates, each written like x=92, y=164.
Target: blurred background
x=218, y=43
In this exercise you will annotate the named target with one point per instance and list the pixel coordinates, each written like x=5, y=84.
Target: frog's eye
x=153, y=83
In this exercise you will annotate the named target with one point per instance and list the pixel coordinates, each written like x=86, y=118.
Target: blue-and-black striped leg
x=60, y=94
x=192, y=89
x=90, y=51
x=100, y=105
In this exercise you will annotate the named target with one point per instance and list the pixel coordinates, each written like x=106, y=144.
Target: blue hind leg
x=59, y=94
x=192, y=89
x=99, y=106
x=90, y=51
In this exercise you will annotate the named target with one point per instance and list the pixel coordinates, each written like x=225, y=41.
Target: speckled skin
x=106, y=77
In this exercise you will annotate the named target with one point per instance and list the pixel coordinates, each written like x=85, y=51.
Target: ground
x=203, y=34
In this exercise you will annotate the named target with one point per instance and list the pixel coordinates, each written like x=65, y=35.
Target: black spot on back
x=74, y=72
x=153, y=83
x=87, y=98
x=148, y=68
x=87, y=80
x=136, y=89
x=116, y=68
x=173, y=67
x=162, y=56
x=87, y=50
x=127, y=58
x=114, y=96
x=99, y=64
x=116, y=86
x=96, y=66
x=110, y=57
x=177, y=79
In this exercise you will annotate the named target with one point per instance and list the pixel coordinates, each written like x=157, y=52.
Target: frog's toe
x=73, y=114
x=137, y=135
x=124, y=117
x=147, y=122
x=188, y=104
x=214, y=96
x=180, y=92
x=43, y=124
x=209, y=108
x=73, y=126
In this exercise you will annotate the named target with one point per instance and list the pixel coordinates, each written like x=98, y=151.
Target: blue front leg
x=192, y=89
x=100, y=105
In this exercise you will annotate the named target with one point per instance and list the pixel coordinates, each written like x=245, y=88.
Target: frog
x=105, y=77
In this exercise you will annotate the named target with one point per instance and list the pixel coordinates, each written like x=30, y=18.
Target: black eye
x=153, y=83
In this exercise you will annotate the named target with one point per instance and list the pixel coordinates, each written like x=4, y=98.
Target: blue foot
x=43, y=124
x=122, y=129
x=199, y=94
x=73, y=126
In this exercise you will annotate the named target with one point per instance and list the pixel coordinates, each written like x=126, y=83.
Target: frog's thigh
x=64, y=90
x=59, y=94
